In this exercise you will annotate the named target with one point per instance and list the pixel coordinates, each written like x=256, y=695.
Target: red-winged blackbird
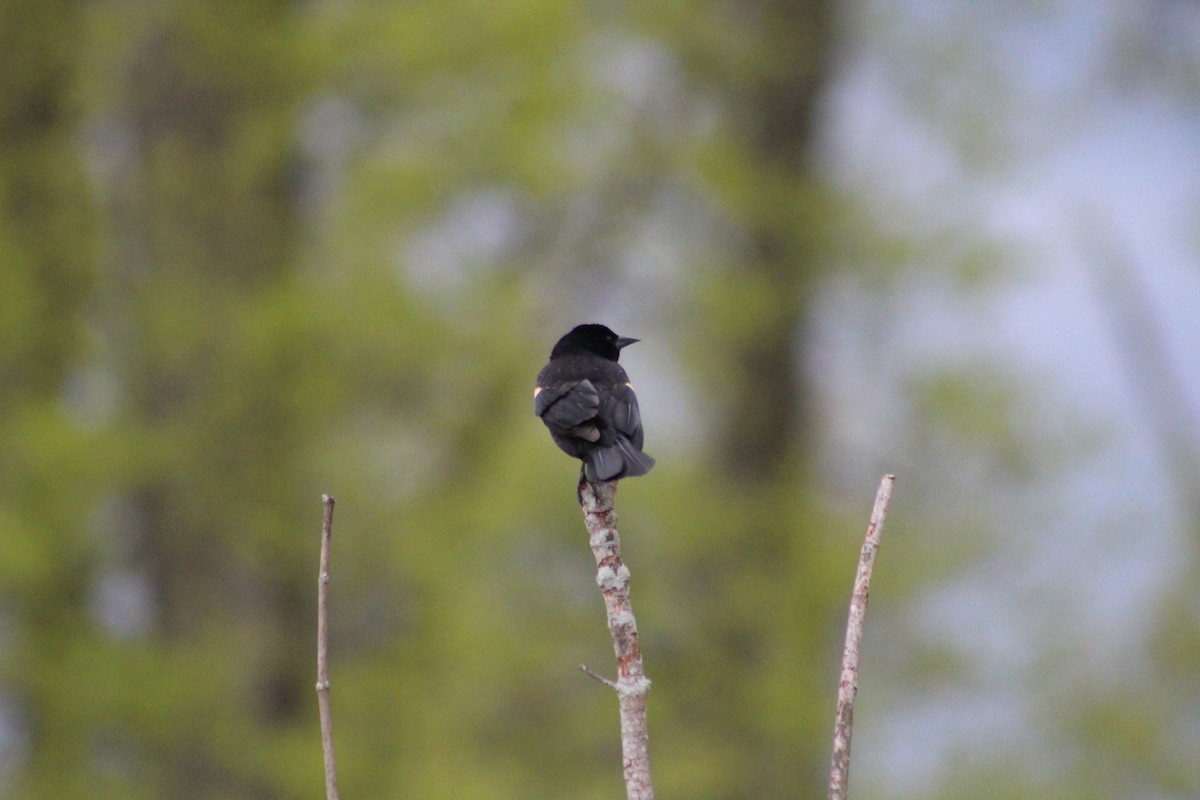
x=586, y=400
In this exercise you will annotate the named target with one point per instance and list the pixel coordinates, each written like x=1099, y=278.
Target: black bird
x=586, y=400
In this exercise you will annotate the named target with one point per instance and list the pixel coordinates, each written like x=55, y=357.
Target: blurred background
x=255, y=251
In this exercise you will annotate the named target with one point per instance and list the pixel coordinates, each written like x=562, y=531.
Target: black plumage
x=586, y=400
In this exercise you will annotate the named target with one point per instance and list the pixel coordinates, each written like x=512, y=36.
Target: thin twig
x=631, y=684
x=331, y=790
x=596, y=676
x=843, y=725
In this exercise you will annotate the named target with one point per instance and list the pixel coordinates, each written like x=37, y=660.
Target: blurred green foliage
x=239, y=272
x=252, y=252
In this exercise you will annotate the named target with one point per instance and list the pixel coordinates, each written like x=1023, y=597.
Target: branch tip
x=843, y=725
x=331, y=790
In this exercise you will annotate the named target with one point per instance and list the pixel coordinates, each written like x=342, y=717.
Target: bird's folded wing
x=567, y=405
x=624, y=413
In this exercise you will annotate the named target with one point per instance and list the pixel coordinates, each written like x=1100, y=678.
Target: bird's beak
x=625, y=341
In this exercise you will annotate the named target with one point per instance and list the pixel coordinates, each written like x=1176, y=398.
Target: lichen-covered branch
x=631, y=684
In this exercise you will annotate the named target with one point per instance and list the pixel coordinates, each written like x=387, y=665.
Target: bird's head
x=592, y=338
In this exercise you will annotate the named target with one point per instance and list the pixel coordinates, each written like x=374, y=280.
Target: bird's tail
x=621, y=460
x=636, y=462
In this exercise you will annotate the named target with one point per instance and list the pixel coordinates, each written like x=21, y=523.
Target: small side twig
x=596, y=676
x=631, y=684
x=331, y=790
x=848, y=685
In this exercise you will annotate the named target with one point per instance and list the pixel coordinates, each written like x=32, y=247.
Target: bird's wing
x=567, y=405
x=624, y=413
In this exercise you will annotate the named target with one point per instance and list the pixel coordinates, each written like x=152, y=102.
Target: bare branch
x=331, y=790
x=839, y=773
x=631, y=685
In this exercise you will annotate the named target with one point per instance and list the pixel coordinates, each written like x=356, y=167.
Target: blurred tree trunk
x=764, y=433
x=777, y=111
x=202, y=234
x=204, y=223
x=769, y=62
x=45, y=217
x=768, y=614
x=46, y=262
